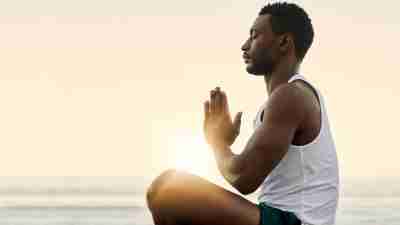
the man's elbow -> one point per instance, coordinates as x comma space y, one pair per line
244, 188
246, 191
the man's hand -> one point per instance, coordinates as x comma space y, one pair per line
219, 130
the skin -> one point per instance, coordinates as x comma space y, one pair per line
291, 116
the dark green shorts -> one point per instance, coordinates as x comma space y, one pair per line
274, 216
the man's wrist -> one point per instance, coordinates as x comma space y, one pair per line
220, 146
225, 161
222, 151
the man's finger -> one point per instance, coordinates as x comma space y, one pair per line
206, 110
225, 107
218, 101
212, 102
237, 122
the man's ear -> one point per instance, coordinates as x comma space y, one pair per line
285, 43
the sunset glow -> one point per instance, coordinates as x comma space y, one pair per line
191, 154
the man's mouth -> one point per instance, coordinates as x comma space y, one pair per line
246, 58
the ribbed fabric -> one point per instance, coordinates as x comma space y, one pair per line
306, 180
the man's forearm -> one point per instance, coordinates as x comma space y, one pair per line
227, 164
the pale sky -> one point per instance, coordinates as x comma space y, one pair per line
109, 88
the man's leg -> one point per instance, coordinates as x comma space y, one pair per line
178, 198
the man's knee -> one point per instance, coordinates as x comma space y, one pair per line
158, 186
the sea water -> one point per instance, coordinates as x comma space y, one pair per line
74, 216
351, 211
116, 206
42, 209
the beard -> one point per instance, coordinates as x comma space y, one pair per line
261, 64
260, 69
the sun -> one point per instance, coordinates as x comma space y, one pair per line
191, 153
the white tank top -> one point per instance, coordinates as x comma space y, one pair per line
306, 180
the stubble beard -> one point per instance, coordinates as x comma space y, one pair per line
260, 69
262, 64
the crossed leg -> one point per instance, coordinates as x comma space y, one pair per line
178, 198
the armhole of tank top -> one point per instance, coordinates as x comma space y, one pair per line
259, 115
321, 105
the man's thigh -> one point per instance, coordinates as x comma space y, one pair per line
189, 199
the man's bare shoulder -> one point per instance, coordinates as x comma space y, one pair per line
289, 101
297, 105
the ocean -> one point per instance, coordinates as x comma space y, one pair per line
75, 216
124, 204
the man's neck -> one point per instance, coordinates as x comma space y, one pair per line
279, 76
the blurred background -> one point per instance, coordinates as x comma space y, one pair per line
99, 97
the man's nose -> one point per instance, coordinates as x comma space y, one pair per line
246, 45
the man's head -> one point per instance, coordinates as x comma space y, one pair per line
279, 30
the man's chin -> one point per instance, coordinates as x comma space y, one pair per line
251, 70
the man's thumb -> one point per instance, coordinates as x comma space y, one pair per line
237, 121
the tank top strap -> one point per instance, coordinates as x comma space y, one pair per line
301, 77
296, 76
321, 104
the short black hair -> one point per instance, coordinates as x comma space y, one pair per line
290, 18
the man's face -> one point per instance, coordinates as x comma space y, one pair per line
260, 51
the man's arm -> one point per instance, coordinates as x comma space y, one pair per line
269, 143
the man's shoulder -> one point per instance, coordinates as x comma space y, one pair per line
292, 94
287, 102
309, 90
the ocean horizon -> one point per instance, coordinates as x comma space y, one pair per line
121, 201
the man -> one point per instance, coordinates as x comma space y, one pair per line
291, 155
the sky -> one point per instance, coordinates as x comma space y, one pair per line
116, 88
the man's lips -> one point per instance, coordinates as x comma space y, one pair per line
246, 58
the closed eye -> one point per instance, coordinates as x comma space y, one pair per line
252, 37
253, 34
